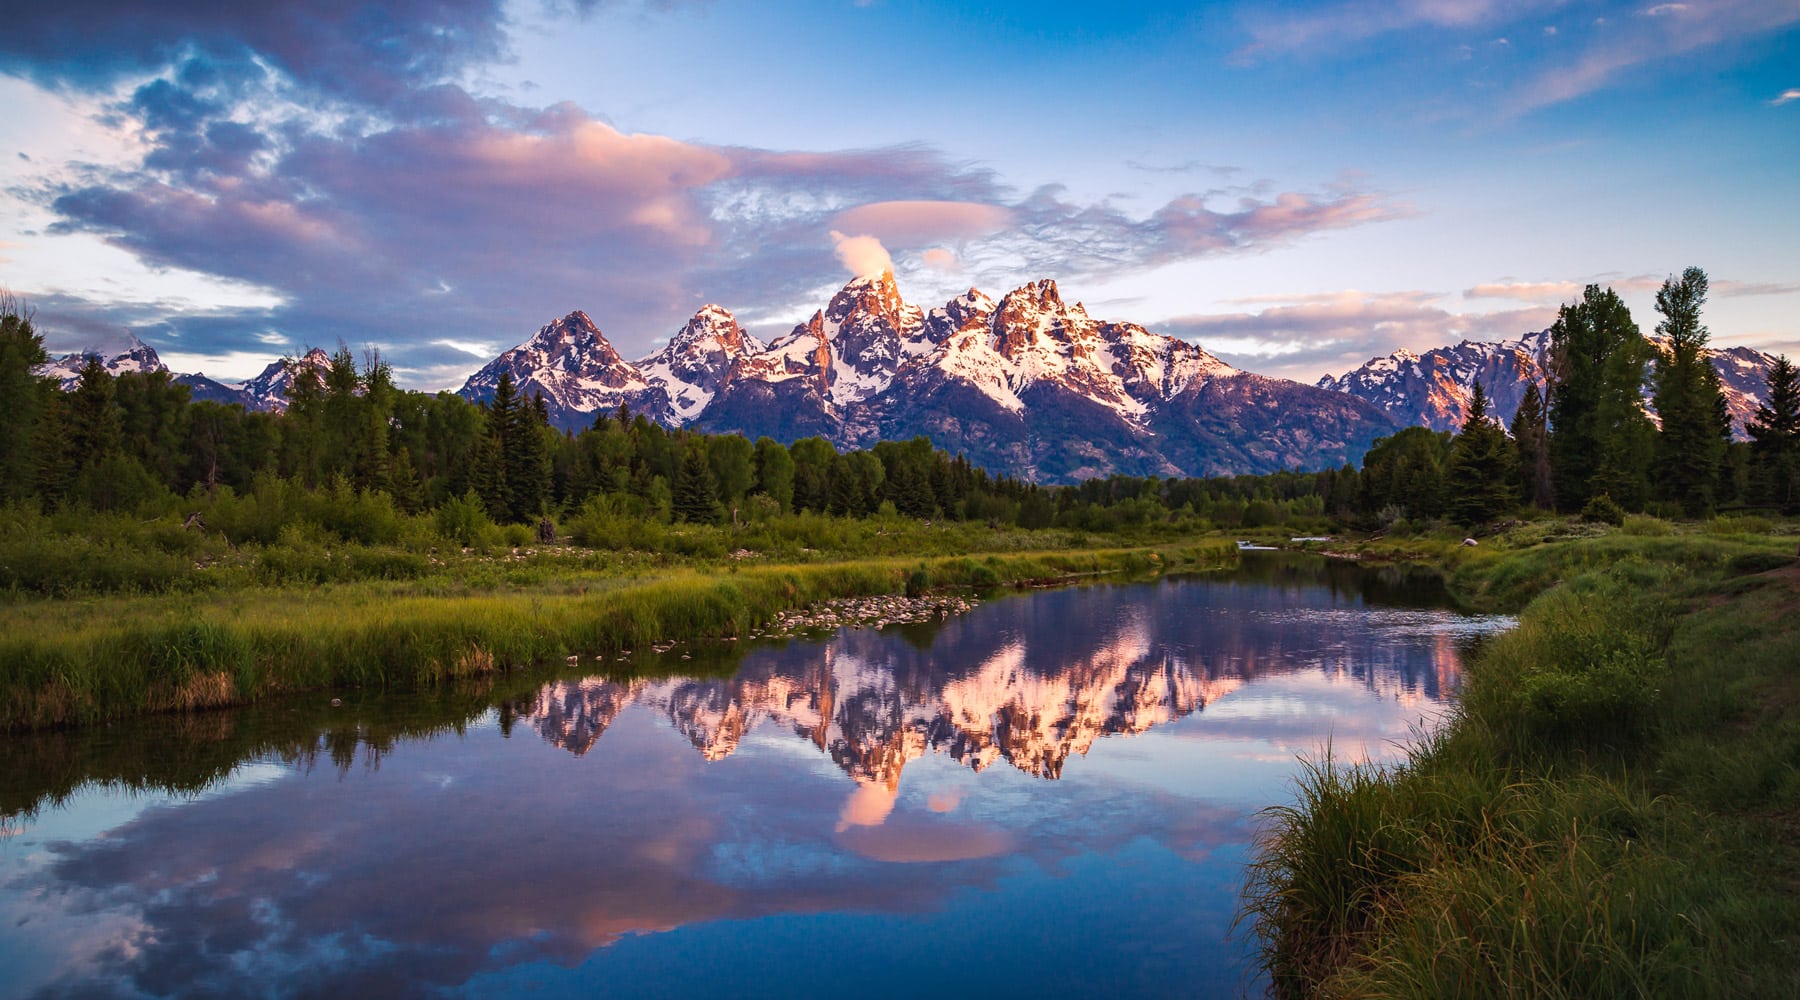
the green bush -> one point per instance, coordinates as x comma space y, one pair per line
1603, 509
464, 521
1645, 525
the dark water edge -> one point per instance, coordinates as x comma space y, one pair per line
1053, 793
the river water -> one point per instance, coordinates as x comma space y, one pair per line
1053, 795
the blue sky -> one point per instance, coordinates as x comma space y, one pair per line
1296, 188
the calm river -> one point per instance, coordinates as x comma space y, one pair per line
1051, 796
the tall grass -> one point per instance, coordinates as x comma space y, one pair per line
67, 663
1608, 813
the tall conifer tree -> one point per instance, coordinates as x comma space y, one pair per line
1531, 436
1689, 400
1479, 483
1600, 439
1775, 439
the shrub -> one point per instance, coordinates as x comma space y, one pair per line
1603, 509
464, 521
1643, 524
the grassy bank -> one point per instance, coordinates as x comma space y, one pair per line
72, 662
1612, 812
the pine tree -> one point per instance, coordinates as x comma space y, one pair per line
1775, 439
525, 455
1480, 482
93, 410
1531, 436
1689, 401
24, 397
1600, 439
696, 494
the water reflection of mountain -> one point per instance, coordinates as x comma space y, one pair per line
1030, 682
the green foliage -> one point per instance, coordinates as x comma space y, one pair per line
464, 521
1406, 471
1480, 482
1601, 818
696, 492
1531, 436
1775, 439
1602, 510
1645, 526
1696, 425
1600, 441
23, 399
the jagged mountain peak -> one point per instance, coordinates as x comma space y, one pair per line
712, 328
118, 354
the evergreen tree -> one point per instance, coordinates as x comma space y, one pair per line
1689, 400
696, 494
1600, 440
1531, 436
1775, 439
153, 415
303, 438
24, 397
93, 416
1480, 481
775, 472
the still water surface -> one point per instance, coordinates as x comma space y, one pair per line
1053, 795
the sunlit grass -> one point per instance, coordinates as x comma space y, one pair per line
80, 661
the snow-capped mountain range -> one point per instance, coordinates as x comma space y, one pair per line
1028, 385
1433, 388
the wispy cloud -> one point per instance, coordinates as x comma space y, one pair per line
1790, 94
1568, 291
1660, 32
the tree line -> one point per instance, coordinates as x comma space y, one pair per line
1584, 443
118, 442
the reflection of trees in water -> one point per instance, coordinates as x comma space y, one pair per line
1030, 680
189, 753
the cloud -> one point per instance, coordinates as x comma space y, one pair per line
862, 255
914, 223
1358, 21
1790, 94
1664, 31
372, 199
939, 259
1557, 292
1333, 332
1609, 47
366, 49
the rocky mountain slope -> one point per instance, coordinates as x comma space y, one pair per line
1028, 385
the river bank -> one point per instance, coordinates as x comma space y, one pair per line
1610, 813
91, 659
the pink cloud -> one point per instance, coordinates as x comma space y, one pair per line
913, 223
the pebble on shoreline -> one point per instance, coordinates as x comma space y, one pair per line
865, 612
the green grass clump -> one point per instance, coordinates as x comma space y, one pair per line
1608, 814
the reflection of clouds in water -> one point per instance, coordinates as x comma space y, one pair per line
465, 856
915, 839
868, 805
